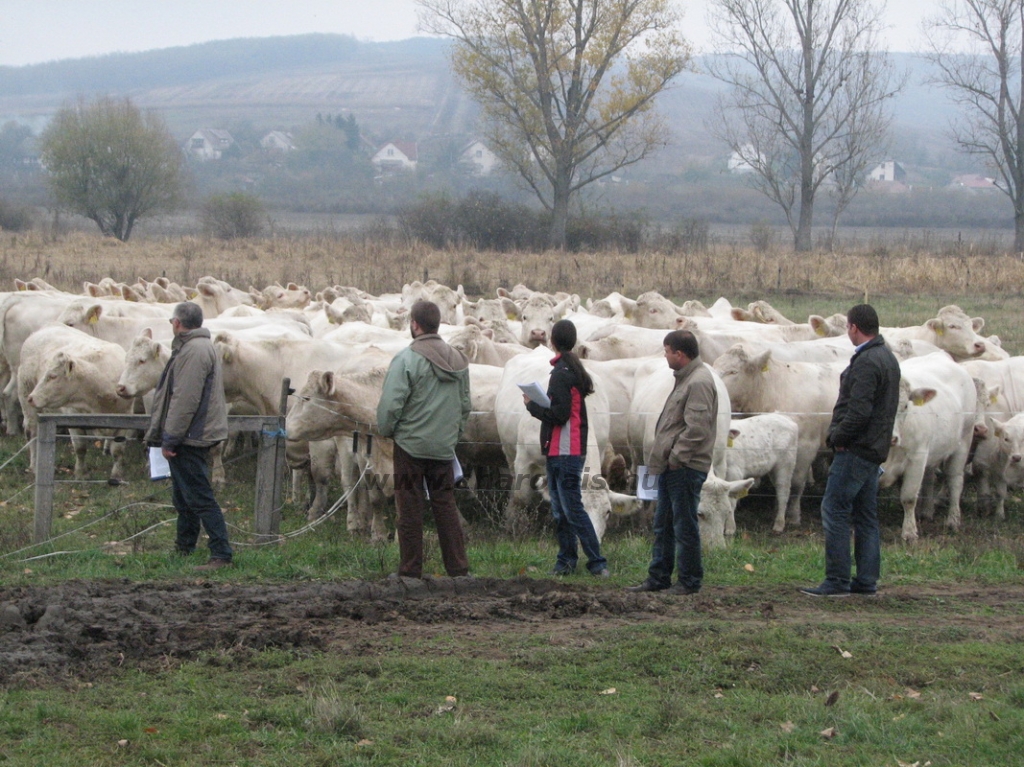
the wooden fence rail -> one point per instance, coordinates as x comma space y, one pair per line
270, 463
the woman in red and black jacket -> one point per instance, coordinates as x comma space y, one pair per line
563, 437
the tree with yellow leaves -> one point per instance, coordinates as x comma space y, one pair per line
567, 86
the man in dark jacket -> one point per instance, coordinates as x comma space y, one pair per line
860, 435
189, 417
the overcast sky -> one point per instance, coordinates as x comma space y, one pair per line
33, 31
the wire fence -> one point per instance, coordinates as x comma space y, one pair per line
493, 495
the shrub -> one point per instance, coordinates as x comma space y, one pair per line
430, 220
15, 218
232, 215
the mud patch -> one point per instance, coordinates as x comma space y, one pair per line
89, 629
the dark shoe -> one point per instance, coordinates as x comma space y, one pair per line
214, 564
603, 573
681, 590
648, 585
562, 572
863, 591
183, 552
824, 590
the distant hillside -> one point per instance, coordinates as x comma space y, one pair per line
395, 90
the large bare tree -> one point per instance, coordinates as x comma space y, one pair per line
808, 103
566, 86
976, 46
112, 163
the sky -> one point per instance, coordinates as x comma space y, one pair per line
34, 31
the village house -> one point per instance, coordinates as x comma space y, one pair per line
889, 171
395, 156
277, 141
479, 158
209, 144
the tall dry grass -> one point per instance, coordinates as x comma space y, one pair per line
383, 262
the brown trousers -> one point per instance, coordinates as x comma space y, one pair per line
410, 502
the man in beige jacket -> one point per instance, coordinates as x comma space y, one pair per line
681, 458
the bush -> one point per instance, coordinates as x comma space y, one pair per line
233, 215
488, 222
430, 220
15, 218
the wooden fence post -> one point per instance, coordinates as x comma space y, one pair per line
46, 459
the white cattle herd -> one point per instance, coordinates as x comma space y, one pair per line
102, 351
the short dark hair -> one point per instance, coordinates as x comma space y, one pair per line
189, 314
563, 335
427, 315
865, 318
683, 341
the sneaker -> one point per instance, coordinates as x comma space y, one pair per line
648, 585
680, 590
824, 590
214, 564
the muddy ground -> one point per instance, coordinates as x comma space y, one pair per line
87, 630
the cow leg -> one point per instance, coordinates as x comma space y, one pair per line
12, 412
955, 485
117, 449
926, 495
912, 478
782, 477
215, 459
80, 443
323, 458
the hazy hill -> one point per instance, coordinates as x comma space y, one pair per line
396, 90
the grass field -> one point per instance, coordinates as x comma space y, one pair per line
271, 663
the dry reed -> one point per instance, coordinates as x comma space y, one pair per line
384, 264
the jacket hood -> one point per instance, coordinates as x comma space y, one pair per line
179, 340
449, 364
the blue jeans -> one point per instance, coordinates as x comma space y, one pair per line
851, 496
571, 520
193, 499
676, 533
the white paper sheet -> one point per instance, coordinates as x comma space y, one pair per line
159, 468
646, 484
457, 474
536, 394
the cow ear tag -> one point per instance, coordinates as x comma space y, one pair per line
729, 443
919, 401
764, 369
743, 494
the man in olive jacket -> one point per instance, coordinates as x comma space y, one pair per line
189, 417
684, 440
424, 407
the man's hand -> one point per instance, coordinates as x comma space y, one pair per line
168, 453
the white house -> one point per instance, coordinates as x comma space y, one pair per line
477, 156
277, 141
395, 156
209, 144
890, 171
738, 164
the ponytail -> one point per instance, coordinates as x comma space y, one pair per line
586, 383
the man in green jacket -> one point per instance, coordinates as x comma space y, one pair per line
424, 407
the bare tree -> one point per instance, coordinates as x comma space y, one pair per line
111, 163
809, 97
567, 86
976, 46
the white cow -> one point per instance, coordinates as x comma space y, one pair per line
765, 446
935, 423
479, 346
804, 391
718, 499
953, 332
65, 370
